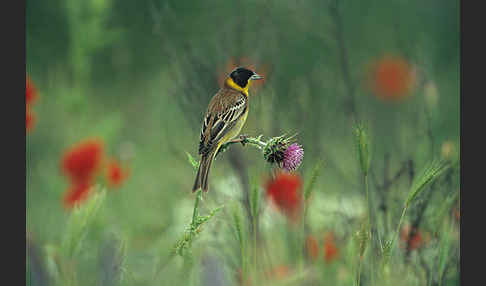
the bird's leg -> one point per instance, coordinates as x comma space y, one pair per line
241, 139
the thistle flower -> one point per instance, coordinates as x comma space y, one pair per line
284, 191
278, 151
292, 157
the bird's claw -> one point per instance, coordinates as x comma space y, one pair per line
243, 138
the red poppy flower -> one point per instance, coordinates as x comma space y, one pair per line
414, 242
30, 97
284, 191
76, 194
391, 78
82, 161
312, 247
30, 91
331, 252
115, 174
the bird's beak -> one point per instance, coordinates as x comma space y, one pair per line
256, 76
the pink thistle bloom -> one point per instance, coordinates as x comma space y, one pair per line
292, 157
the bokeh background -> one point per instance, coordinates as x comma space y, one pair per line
139, 75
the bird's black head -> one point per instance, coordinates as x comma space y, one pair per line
242, 76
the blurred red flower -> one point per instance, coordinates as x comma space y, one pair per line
30, 97
331, 251
76, 194
30, 91
312, 247
391, 78
82, 161
414, 242
115, 174
284, 191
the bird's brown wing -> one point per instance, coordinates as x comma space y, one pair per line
224, 110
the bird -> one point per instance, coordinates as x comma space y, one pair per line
225, 116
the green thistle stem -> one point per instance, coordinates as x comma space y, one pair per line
255, 142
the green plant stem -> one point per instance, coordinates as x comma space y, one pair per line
369, 229
195, 214
359, 272
196, 207
256, 142
368, 202
395, 235
399, 224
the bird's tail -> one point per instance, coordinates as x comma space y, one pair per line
203, 172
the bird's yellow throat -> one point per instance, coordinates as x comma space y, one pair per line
231, 83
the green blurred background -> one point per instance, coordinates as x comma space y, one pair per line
139, 74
